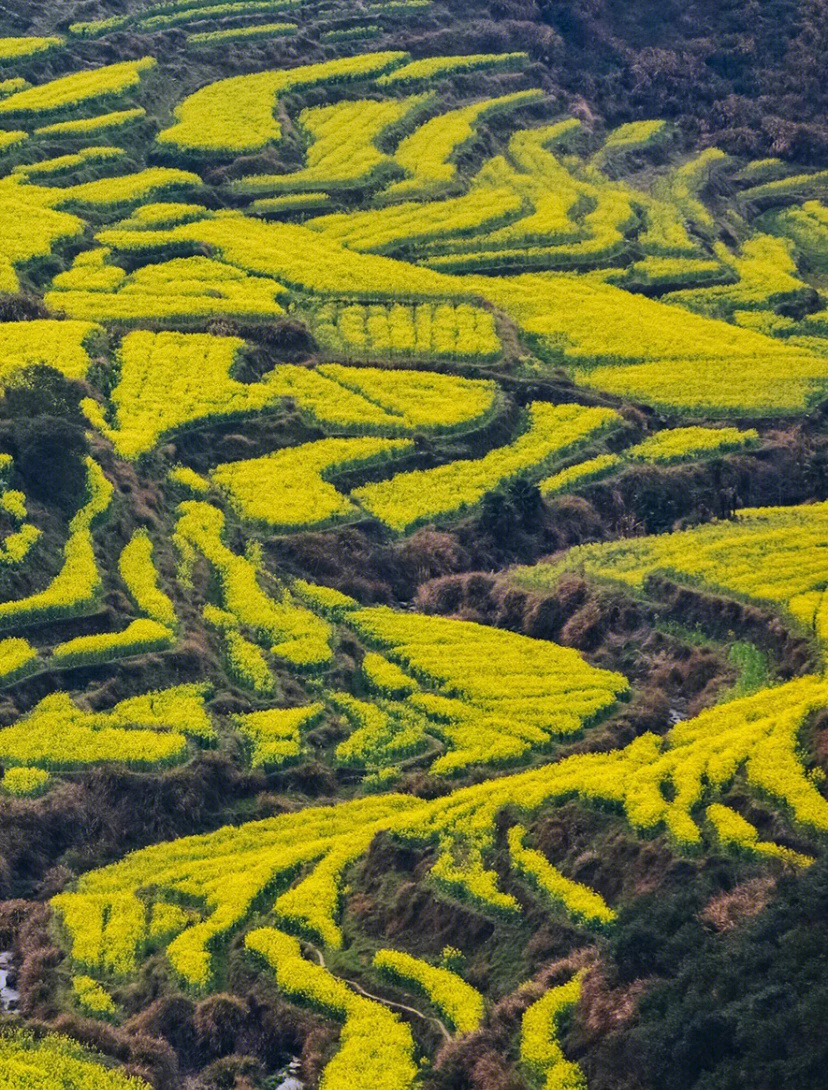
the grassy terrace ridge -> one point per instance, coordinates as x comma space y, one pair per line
413, 503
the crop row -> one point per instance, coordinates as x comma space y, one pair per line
406, 226
93, 126
286, 628
431, 68
15, 547
610, 338
13, 49
210, 39
774, 555
638, 347
498, 694
343, 151
427, 154
66, 164
579, 900
236, 115
169, 381
67, 92
183, 291
45, 1063
456, 1000
382, 732
109, 193
429, 331
657, 782
146, 731
76, 586
807, 227
167, 13
766, 278
375, 1047
275, 735
410, 499
540, 1048
153, 632
290, 489
670, 445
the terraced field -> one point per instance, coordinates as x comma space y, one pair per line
413, 559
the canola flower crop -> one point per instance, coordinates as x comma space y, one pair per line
458, 1001
431, 331
498, 694
570, 320
755, 737
633, 136
769, 554
437, 67
385, 676
540, 1049
297, 257
290, 631
426, 154
236, 115
593, 469
197, 13
376, 1047
66, 164
76, 586
140, 636
25, 782
382, 732
141, 578
676, 443
122, 190
343, 151
141, 732
91, 126
162, 15
410, 499
15, 547
245, 661
420, 400
211, 38
577, 899
326, 600
183, 291
403, 227
13, 49
289, 489
275, 735
17, 658
636, 347
169, 381
45, 1063
766, 277
67, 92
735, 832
28, 231
108, 924
685, 186
92, 997
552, 194
806, 227
795, 186
471, 695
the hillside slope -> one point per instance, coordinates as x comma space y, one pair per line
413, 506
